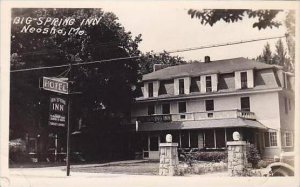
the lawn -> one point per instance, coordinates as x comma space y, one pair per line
144, 168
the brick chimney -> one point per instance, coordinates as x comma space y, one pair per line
206, 59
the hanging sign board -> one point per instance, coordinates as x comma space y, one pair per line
58, 85
58, 110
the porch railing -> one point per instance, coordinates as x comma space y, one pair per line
195, 116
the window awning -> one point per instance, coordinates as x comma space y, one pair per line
201, 124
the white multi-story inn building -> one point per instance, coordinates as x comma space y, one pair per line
202, 104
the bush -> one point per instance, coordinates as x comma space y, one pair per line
253, 156
213, 156
190, 156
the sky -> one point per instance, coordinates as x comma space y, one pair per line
168, 27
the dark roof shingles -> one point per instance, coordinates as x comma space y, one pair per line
201, 68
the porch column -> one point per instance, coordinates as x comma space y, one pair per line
189, 138
215, 139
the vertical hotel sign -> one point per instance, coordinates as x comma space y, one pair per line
57, 113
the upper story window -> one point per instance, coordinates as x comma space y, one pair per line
245, 104
288, 139
166, 108
151, 109
209, 106
181, 107
244, 80
208, 84
181, 86
150, 89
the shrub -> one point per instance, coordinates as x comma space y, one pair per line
253, 155
213, 156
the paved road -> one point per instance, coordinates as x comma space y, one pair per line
56, 177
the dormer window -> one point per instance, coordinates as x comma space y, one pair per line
208, 84
181, 86
244, 80
150, 89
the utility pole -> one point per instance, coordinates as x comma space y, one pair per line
69, 96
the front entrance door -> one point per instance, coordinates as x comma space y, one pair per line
153, 147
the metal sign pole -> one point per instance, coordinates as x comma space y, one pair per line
68, 126
68, 136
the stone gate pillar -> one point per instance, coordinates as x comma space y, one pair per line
168, 157
237, 156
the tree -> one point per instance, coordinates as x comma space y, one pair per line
106, 87
266, 56
290, 39
279, 57
148, 60
265, 19
280, 54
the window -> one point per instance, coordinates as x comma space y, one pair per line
270, 139
208, 83
151, 109
267, 141
154, 143
286, 105
273, 138
290, 106
194, 139
166, 108
288, 139
181, 86
182, 109
244, 80
209, 139
220, 138
185, 139
195, 84
245, 104
209, 105
150, 89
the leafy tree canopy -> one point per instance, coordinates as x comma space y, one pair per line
106, 87
208, 16
265, 19
148, 60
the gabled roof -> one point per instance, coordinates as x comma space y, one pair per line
201, 68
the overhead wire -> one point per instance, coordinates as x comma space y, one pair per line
133, 57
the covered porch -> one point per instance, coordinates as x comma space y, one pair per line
201, 135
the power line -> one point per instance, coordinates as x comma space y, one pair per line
76, 64
133, 57
223, 44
